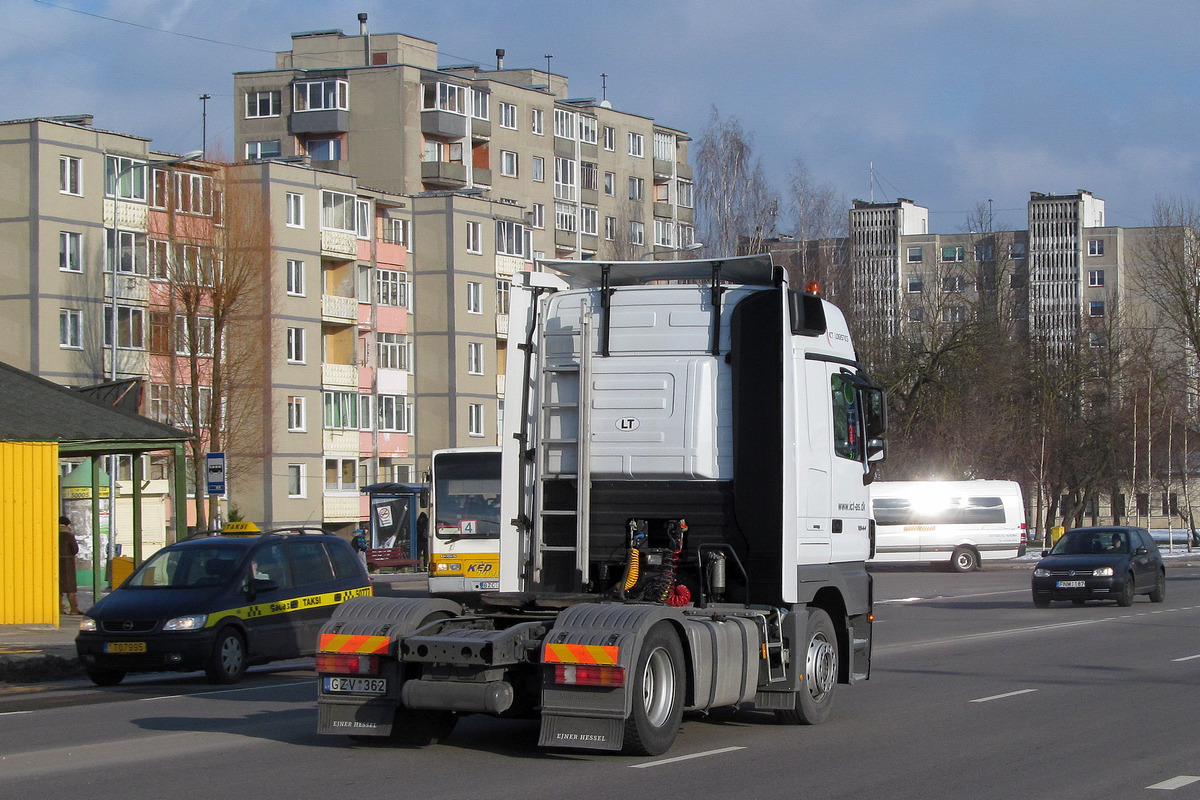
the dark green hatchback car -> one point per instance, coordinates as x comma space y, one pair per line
221, 603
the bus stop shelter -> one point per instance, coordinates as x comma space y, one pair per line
396, 537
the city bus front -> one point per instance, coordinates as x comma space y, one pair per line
464, 546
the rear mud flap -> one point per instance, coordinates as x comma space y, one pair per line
588, 733
371, 717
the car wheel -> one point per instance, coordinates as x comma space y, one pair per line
815, 698
105, 677
1125, 599
965, 559
1159, 593
227, 664
658, 686
1041, 601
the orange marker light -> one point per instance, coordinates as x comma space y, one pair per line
813, 288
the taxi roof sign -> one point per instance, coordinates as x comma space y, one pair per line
240, 528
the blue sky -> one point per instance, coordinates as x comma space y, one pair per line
954, 103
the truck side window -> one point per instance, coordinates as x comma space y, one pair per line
845, 419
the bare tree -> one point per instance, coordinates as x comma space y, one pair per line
737, 207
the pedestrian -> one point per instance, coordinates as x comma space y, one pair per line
68, 548
359, 542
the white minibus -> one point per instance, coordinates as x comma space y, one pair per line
955, 522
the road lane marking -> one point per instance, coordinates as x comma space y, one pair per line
1002, 696
705, 754
221, 691
1186, 658
1175, 783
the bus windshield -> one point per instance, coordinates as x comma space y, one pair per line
466, 495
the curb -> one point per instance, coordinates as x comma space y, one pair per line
39, 668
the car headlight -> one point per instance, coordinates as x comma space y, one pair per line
87, 624
1102, 572
192, 622
1041, 573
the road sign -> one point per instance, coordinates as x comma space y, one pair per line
216, 473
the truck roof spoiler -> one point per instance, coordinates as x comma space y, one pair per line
747, 270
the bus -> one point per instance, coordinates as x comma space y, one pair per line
464, 520
958, 523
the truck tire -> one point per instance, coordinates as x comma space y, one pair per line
658, 686
815, 698
227, 664
964, 559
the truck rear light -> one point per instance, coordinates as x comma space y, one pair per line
347, 664
589, 675
1024, 534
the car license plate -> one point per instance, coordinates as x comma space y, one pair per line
357, 685
124, 647
1071, 584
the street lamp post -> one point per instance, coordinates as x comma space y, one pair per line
690, 248
113, 258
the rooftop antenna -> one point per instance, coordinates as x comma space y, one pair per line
872, 181
548, 57
603, 86
204, 98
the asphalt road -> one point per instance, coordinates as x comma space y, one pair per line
974, 694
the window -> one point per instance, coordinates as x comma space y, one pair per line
393, 350
130, 328
635, 145
1016, 250
193, 193
915, 256
1095, 277
295, 345
196, 333
685, 191
1097, 340
325, 95
444, 97
847, 434
295, 277
474, 358
295, 479
160, 333
662, 192
664, 146
295, 210
1095, 247
664, 233
1096, 308
508, 163
916, 314
564, 178
685, 235
395, 231
610, 228
537, 121
955, 313
474, 297
124, 178
539, 169
538, 216
481, 105
503, 288
610, 138
389, 289
587, 129
508, 116
916, 284
510, 238
341, 411
70, 329
362, 218
588, 220
296, 419
324, 149
984, 252
636, 188
589, 176
341, 475
268, 148
637, 233
158, 402
337, 211
475, 419
952, 254
364, 413
394, 413
610, 183
564, 123
70, 175
953, 283
474, 237
70, 248
262, 104
196, 266
158, 252
128, 251
565, 217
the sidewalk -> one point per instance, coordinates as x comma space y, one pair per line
35, 653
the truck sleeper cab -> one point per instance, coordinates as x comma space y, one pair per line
686, 518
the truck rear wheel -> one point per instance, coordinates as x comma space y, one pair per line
658, 685
815, 698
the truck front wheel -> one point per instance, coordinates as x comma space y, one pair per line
658, 685
815, 698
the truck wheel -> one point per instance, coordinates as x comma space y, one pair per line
227, 664
105, 677
965, 559
815, 698
658, 685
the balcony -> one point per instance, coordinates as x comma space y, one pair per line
129, 363
341, 508
329, 121
500, 386
663, 169
126, 216
339, 376
339, 310
481, 176
502, 326
683, 171
339, 244
444, 173
664, 210
507, 266
129, 287
481, 128
443, 124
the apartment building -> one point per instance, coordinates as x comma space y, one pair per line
120, 262
502, 168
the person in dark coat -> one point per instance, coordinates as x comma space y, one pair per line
68, 548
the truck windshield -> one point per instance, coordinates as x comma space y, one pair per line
466, 495
187, 568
